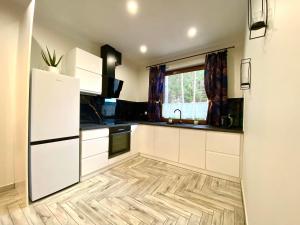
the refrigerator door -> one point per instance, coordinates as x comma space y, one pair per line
53, 166
55, 102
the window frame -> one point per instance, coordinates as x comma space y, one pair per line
178, 71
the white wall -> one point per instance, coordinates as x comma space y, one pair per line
22, 101
9, 23
44, 36
272, 107
128, 72
15, 35
233, 61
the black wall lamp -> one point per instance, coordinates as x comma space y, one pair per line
245, 78
258, 22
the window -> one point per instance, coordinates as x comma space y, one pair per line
184, 90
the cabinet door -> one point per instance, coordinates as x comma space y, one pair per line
222, 163
145, 139
88, 61
94, 163
166, 143
227, 143
89, 82
94, 147
192, 148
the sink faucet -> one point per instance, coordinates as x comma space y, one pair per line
180, 120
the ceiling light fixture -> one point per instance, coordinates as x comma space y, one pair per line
143, 49
132, 7
192, 32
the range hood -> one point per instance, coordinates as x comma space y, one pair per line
111, 87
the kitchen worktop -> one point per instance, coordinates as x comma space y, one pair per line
92, 126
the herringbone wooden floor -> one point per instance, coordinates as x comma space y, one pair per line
139, 191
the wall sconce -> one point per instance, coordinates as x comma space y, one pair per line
259, 21
245, 74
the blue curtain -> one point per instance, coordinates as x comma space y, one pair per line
156, 88
215, 80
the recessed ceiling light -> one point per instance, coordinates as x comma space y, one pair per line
132, 7
143, 49
192, 32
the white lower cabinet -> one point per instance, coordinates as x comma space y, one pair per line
94, 150
94, 146
166, 143
217, 152
192, 148
223, 163
144, 139
94, 163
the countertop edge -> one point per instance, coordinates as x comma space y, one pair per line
191, 127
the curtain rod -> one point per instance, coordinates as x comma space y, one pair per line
192, 56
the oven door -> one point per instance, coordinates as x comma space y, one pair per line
119, 141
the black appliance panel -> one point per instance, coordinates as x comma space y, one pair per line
111, 87
119, 140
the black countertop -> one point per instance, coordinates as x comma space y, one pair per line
93, 126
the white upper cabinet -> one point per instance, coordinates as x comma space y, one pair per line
166, 143
87, 61
192, 148
87, 67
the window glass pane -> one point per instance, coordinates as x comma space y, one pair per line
185, 91
188, 87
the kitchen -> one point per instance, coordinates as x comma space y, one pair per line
125, 128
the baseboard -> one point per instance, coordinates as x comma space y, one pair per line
206, 172
7, 187
111, 165
244, 202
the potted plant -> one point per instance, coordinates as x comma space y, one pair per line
51, 60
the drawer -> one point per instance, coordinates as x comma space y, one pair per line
89, 82
222, 163
94, 163
227, 143
94, 134
88, 61
94, 146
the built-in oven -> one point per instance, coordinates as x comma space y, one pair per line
119, 140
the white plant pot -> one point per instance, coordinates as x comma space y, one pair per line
53, 69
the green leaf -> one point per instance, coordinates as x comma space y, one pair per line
58, 61
45, 58
54, 57
50, 58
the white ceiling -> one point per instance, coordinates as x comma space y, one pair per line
160, 24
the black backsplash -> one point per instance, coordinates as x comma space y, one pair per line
133, 111
91, 106
235, 109
136, 111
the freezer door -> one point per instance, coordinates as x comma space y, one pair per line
52, 167
55, 102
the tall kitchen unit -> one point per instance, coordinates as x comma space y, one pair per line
54, 133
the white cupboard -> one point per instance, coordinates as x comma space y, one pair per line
166, 143
222, 163
223, 153
227, 143
87, 67
144, 139
192, 148
216, 152
94, 150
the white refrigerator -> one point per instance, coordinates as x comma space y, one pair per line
54, 133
